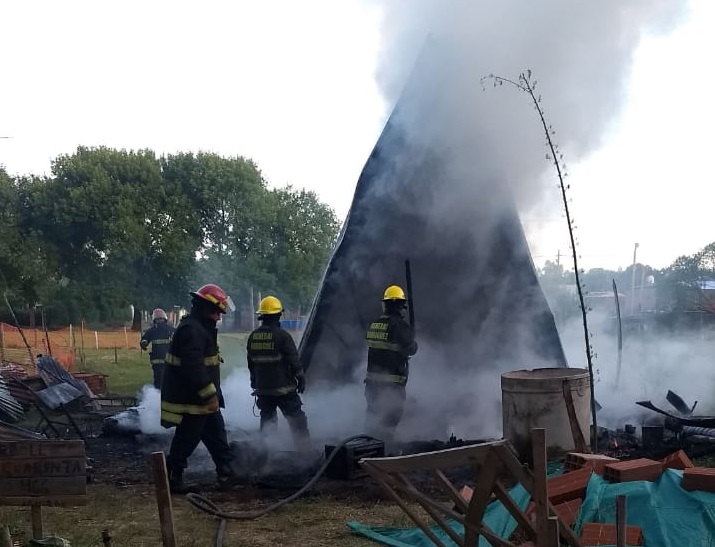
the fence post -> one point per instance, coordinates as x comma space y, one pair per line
126, 338
115, 354
96, 340
81, 338
2, 341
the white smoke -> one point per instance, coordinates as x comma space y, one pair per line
579, 51
652, 363
468, 153
330, 414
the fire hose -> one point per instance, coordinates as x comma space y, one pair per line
209, 507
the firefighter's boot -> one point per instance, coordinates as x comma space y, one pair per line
176, 481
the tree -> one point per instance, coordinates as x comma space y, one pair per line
23, 263
119, 233
304, 232
684, 279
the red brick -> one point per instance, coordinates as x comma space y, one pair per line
698, 478
568, 511
594, 533
642, 469
596, 462
677, 460
569, 486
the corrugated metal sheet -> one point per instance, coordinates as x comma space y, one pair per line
54, 373
9, 432
10, 409
59, 394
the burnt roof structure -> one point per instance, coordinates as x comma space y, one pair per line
421, 196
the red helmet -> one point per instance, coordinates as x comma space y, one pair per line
217, 297
158, 314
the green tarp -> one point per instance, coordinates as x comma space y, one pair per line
668, 515
496, 517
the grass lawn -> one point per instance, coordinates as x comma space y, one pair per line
131, 515
129, 369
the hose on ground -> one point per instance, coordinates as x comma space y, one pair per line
209, 507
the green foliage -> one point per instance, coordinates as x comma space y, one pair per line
110, 228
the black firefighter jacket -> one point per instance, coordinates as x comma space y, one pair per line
390, 342
192, 374
159, 336
272, 361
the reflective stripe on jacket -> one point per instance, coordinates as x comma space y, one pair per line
272, 360
192, 376
390, 342
159, 336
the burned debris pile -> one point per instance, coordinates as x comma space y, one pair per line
60, 404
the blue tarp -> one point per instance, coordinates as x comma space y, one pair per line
668, 515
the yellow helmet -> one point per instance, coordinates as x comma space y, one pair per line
393, 292
270, 305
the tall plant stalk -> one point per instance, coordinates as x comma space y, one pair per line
527, 85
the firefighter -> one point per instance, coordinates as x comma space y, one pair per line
191, 396
158, 335
390, 342
277, 378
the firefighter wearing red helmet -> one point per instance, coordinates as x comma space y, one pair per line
191, 396
159, 336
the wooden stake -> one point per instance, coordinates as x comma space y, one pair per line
576, 432
621, 519
37, 527
81, 340
2, 343
163, 499
96, 340
552, 525
115, 355
5, 537
19, 328
538, 447
126, 338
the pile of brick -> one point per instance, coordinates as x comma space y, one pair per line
567, 491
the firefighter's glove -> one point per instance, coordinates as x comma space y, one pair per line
213, 404
300, 381
144, 345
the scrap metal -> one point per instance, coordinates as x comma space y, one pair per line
10, 409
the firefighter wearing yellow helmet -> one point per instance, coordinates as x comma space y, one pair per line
391, 342
277, 377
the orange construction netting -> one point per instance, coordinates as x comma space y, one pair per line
64, 343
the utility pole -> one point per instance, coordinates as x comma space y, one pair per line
633, 281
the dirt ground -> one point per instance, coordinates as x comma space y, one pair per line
122, 499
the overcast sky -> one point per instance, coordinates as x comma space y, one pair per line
292, 85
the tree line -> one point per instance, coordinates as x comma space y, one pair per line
677, 283
109, 229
